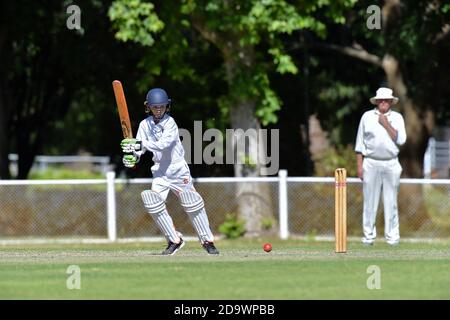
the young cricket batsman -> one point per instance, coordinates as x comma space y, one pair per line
158, 133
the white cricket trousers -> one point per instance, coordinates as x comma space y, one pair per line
381, 176
177, 178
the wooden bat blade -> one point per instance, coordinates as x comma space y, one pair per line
123, 109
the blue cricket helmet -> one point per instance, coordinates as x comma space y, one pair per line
157, 97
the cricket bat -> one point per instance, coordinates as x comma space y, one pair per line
123, 109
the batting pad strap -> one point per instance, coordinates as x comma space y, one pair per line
191, 201
153, 202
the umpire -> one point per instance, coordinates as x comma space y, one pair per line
381, 132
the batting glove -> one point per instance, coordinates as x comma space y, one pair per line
130, 160
130, 145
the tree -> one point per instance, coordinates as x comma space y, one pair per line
409, 54
411, 48
249, 36
46, 70
30, 96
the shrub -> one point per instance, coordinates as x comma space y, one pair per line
63, 173
267, 223
233, 227
336, 157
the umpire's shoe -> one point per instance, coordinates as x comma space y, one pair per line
172, 247
210, 248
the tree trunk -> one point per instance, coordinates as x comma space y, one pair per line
254, 199
4, 145
411, 155
411, 202
318, 144
26, 152
4, 123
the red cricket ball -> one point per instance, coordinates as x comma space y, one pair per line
267, 247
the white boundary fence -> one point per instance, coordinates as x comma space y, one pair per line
42, 162
283, 202
436, 160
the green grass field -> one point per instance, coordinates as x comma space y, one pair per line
294, 270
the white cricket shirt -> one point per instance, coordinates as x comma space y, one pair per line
162, 139
373, 140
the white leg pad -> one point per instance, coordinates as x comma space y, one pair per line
194, 206
191, 201
153, 202
157, 208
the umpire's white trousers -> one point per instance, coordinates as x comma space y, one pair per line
381, 176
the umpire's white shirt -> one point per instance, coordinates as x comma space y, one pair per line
373, 140
163, 140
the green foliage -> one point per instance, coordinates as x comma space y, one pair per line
311, 235
445, 8
249, 161
283, 61
233, 227
341, 105
63, 173
269, 103
135, 20
236, 29
336, 157
267, 223
339, 91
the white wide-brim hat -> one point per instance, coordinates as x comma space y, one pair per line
384, 93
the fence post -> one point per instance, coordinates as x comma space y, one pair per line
283, 204
428, 159
111, 206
